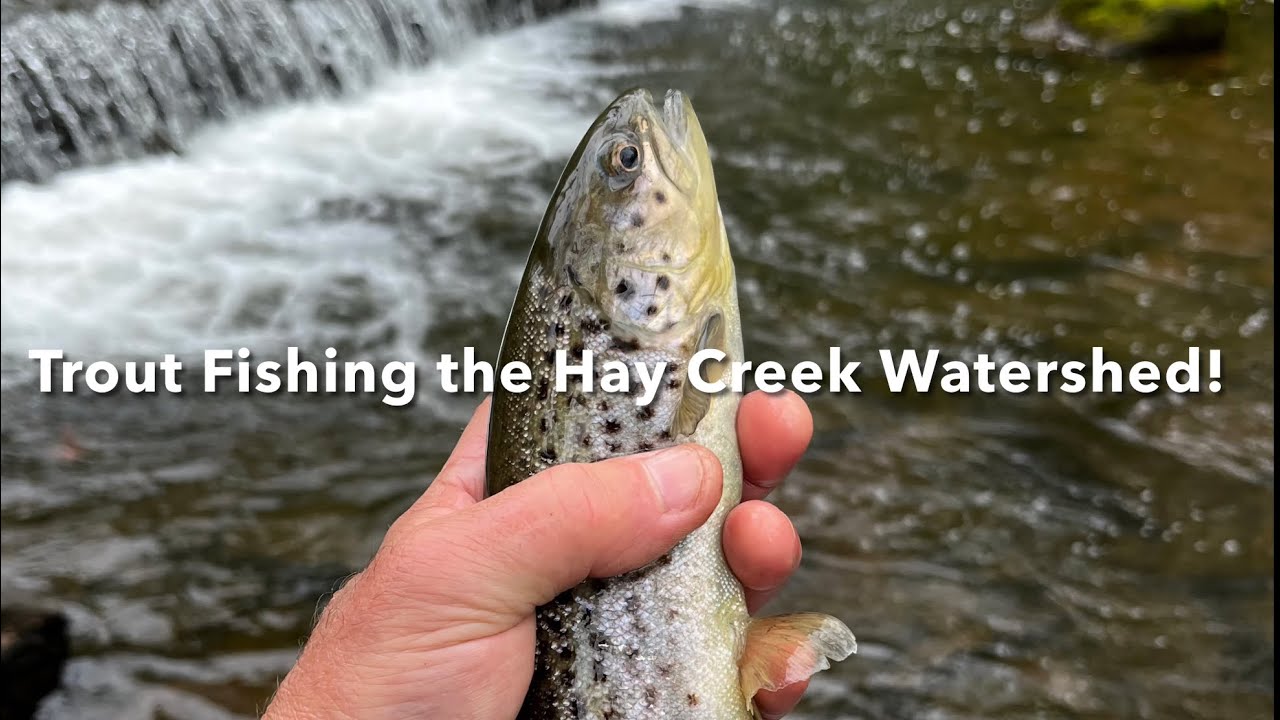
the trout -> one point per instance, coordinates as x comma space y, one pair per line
632, 264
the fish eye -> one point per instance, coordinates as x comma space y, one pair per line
629, 157
625, 158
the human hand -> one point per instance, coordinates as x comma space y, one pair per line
440, 624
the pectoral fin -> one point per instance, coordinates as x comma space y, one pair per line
693, 402
786, 649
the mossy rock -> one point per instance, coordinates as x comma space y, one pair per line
1120, 27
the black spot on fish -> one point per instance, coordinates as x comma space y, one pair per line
651, 310
663, 282
548, 454
644, 446
693, 700
637, 220
613, 446
591, 326
651, 695
666, 257
664, 670
544, 389
621, 287
566, 301
586, 441
645, 413
622, 247
664, 435
575, 351
544, 425
612, 426
672, 613
660, 197
573, 275
549, 356
664, 559
633, 603
559, 329
624, 345
673, 383
603, 406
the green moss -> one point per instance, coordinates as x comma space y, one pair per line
1148, 25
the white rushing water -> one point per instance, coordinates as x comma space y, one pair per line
166, 253
226, 246
95, 84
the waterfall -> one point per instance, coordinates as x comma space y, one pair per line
121, 79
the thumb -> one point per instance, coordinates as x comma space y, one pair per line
570, 522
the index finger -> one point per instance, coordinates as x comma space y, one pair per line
461, 480
774, 430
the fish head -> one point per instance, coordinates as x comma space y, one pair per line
636, 223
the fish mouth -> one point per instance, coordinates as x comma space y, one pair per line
675, 115
679, 162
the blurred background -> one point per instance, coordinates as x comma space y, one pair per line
977, 176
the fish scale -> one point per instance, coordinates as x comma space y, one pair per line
631, 264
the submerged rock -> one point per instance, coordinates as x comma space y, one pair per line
33, 649
1128, 27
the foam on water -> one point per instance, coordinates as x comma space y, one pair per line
173, 254
226, 245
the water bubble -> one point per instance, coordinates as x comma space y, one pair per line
1063, 194
964, 74
1231, 548
1217, 89
1255, 323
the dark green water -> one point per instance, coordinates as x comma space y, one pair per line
894, 174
